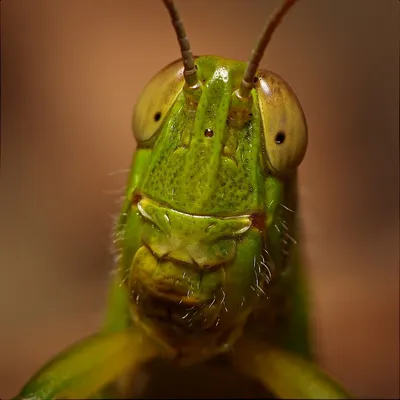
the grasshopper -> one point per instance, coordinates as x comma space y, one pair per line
209, 270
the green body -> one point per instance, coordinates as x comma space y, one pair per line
209, 270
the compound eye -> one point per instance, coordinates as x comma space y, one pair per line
156, 100
284, 124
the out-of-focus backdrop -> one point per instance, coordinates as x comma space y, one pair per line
71, 72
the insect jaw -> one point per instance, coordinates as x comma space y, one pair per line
183, 312
178, 316
176, 289
199, 304
191, 334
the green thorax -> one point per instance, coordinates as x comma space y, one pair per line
218, 172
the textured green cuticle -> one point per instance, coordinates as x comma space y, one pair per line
206, 175
200, 240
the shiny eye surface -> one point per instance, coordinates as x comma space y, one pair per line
284, 124
156, 100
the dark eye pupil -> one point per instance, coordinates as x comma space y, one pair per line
280, 137
208, 132
157, 116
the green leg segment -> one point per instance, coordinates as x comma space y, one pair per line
89, 365
118, 318
286, 374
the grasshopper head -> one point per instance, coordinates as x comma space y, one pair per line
204, 233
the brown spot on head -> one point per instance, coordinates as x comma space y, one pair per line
136, 198
258, 221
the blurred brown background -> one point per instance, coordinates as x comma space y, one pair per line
71, 72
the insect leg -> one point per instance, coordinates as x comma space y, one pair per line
89, 365
286, 374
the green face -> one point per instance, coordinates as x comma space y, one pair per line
201, 233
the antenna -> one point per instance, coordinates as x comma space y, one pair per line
190, 69
257, 54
